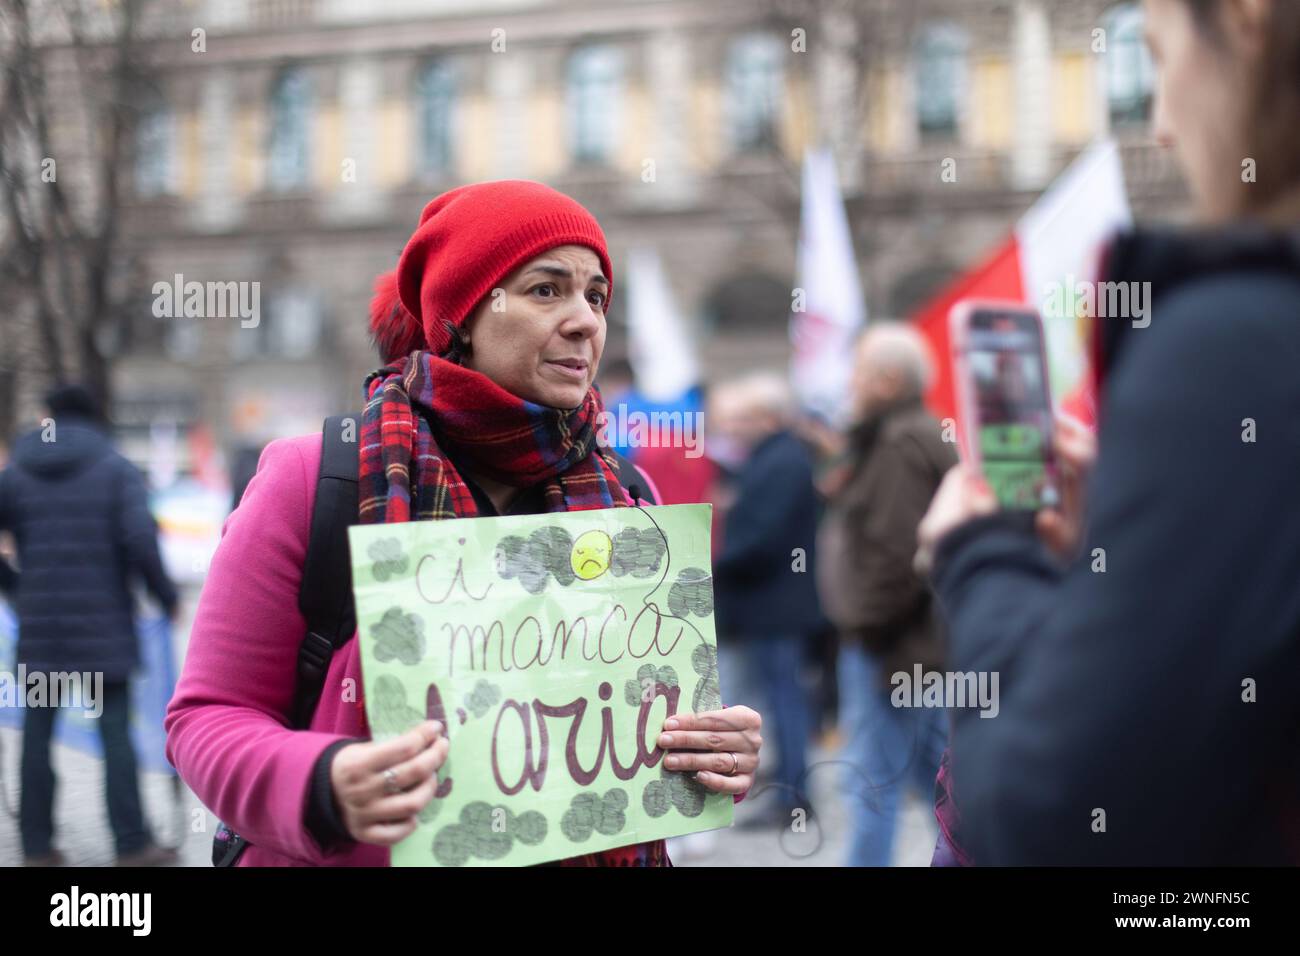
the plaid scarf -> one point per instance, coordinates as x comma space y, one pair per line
420, 406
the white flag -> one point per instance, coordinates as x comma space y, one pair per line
659, 347
1061, 239
827, 308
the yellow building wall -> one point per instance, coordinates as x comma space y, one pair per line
706, 125
546, 155
993, 104
474, 148
327, 148
250, 150
633, 127
1073, 98
887, 115
189, 156
794, 123
395, 151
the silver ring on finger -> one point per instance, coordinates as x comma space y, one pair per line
735, 765
391, 786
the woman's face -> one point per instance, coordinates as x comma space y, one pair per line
1202, 97
540, 335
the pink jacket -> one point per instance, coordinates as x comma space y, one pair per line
228, 732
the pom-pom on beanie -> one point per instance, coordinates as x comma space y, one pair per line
393, 329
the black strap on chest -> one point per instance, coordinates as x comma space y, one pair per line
325, 596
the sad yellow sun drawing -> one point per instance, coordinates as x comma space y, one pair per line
590, 555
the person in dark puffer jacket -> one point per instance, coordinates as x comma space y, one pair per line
764, 574
79, 515
1148, 713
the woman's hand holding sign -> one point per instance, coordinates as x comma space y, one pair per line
721, 746
380, 787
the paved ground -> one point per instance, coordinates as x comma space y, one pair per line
84, 836
821, 841
81, 818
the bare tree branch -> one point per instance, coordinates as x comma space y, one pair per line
61, 235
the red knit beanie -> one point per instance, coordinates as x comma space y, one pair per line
468, 240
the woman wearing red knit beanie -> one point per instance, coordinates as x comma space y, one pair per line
491, 330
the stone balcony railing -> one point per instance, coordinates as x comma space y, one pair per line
146, 218
984, 176
984, 180
274, 14
279, 212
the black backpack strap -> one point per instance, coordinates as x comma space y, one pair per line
325, 597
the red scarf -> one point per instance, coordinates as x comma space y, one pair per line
420, 406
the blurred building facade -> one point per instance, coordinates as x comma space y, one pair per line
293, 143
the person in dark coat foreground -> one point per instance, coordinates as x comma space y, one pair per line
1148, 712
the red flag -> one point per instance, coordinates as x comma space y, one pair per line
998, 277
1054, 246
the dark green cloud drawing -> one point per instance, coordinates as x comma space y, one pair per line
707, 695
691, 593
543, 554
389, 712
637, 552
482, 698
399, 636
476, 837
590, 811
389, 561
673, 789
634, 691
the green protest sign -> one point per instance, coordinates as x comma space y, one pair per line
552, 647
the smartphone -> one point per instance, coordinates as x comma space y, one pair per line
1004, 401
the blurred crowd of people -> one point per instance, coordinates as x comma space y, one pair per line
818, 602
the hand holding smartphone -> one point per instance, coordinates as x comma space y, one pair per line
1004, 401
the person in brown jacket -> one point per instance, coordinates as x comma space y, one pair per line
895, 457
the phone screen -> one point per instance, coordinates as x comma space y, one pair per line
1013, 408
